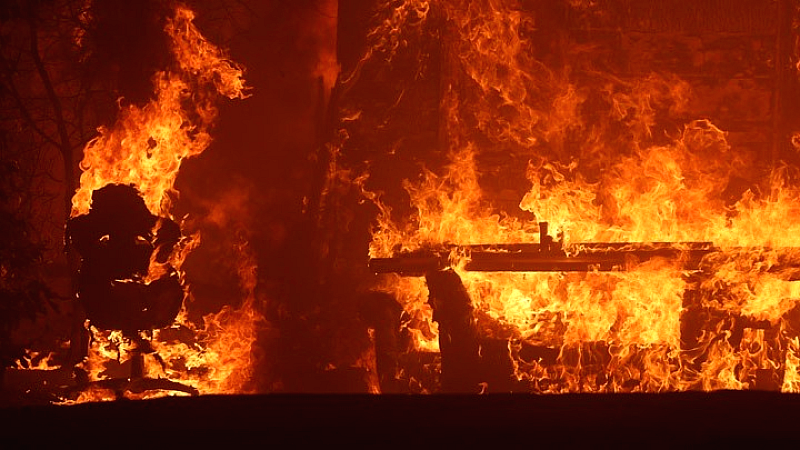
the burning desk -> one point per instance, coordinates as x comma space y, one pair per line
752, 344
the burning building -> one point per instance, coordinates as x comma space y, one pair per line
494, 196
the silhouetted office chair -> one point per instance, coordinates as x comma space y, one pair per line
117, 241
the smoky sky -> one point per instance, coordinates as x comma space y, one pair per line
262, 144
266, 139
250, 184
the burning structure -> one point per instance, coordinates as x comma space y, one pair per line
612, 182
500, 196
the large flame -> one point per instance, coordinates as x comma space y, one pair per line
145, 148
600, 170
147, 144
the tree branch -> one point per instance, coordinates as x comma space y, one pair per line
65, 146
26, 114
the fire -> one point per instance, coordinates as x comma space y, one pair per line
145, 148
220, 361
147, 144
602, 169
36, 361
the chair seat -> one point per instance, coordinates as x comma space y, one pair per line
133, 305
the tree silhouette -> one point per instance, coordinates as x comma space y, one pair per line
65, 65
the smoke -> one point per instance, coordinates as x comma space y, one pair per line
251, 185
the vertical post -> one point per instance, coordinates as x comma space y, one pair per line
545, 240
692, 318
137, 360
381, 312
783, 50
458, 338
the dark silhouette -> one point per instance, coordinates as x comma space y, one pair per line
117, 240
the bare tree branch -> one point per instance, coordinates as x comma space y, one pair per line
65, 146
23, 109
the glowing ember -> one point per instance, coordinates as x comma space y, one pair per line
36, 361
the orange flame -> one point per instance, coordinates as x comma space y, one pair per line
147, 144
620, 183
145, 147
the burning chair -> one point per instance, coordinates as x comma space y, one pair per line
126, 282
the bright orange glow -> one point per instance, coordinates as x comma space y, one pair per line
620, 183
145, 147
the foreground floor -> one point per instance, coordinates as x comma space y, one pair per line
631, 420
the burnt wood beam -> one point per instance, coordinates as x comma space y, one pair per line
579, 258
545, 257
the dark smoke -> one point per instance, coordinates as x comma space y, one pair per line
250, 185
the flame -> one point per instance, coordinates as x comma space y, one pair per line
601, 169
221, 360
147, 144
33, 360
145, 148
214, 358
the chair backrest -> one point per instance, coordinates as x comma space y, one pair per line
117, 240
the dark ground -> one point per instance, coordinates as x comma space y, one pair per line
680, 420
